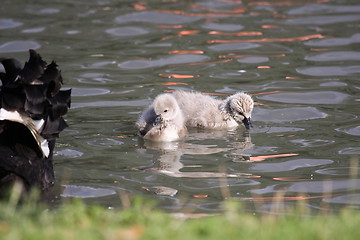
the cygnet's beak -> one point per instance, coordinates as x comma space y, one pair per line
247, 123
158, 119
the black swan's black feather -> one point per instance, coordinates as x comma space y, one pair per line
32, 107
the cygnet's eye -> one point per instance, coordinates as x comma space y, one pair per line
165, 110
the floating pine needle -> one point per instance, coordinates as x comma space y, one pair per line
186, 52
262, 158
290, 198
200, 196
169, 75
170, 26
188, 32
264, 93
293, 39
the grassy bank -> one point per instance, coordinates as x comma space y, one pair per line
78, 221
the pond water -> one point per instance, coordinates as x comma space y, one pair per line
300, 60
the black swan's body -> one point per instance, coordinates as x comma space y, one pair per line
31, 110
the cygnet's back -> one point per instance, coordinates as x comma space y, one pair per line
207, 112
162, 121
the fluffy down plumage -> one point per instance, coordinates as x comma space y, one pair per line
207, 112
162, 121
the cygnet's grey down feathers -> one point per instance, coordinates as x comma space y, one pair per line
207, 112
162, 121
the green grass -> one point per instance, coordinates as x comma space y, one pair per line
76, 220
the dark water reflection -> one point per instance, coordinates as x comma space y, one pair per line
300, 61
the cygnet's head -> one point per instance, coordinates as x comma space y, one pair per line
240, 107
166, 107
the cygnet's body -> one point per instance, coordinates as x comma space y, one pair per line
207, 112
162, 121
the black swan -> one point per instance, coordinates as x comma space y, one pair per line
31, 110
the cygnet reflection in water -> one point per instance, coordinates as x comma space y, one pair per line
168, 154
207, 112
162, 121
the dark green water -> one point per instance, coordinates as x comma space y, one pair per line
299, 59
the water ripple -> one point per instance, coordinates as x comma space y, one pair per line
104, 142
85, 192
339, 171
355, 131
334, 56
222, 26
134, 103
311, 9
329, 70
253, 60
9, 23
233, 46
350, 151
318, 187
353, 199
34, 30
176, 59
323, 20
274, 129
287, 114
127, 31
288, 165
237, 74
48, 11
95, 77
155, 18
333, 42
69, 153
320, 97
18, 46
215, 183
312, 142
88, 91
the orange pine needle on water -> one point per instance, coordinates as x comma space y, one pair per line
293, 39
239, 34
173, 83
270, 26
261, 104
170, 26
186, 52
292, 198
262, 158
170, 75
200, 196
188, 32
139, 7
263, 93
289, 77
